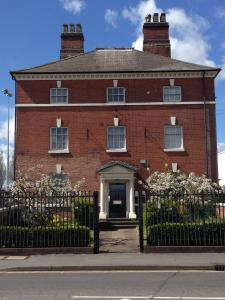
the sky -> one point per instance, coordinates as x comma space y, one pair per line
30, 35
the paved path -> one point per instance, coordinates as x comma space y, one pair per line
119, 240
115, 261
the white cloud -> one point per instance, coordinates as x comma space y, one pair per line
111, 17
220, 12
73, 6
4, 130
185, 31
221, 75
221, 147
221, 164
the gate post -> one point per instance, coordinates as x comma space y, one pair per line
140, 213
96, 223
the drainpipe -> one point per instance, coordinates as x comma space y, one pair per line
205, 125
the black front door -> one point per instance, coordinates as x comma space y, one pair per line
117, 203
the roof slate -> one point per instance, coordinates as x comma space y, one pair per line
115, 60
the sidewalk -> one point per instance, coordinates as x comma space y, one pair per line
111, 261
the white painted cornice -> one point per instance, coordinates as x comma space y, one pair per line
94, 76
117, 104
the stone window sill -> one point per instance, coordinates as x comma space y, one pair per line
175, 150
58, 151
116, 150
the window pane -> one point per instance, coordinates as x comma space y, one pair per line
64, 92
116, 137
59, 138
115, 94
171, 93
110, 98
53, 92
59, 95
173, 137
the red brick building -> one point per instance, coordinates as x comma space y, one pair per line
111, 115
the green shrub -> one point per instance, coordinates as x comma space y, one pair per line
84, 212
37, 237
169, 211
186, 234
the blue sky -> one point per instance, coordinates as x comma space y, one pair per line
30, 35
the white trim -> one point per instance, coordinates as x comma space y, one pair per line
113, 175
116, 150
58, 151
94, 76
172, 81
113, 104
174, 150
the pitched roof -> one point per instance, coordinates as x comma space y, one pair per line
115, 60
116, 163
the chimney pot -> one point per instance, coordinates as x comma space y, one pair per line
156, 18
148, 18
65, 28
78, 28
72, 28
163, 18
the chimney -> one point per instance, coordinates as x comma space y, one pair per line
156, 35
72, 41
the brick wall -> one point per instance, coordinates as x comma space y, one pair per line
94, 91
88, 139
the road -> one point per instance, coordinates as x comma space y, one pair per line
112, 285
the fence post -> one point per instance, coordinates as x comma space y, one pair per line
140, 213
96, 223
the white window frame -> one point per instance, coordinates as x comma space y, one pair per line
57, 96
182, 139
172, 87
115, 102
124, 149
66, 150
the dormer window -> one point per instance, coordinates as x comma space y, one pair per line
58, 95
115, 94
172, 93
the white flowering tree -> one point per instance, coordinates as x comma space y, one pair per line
176, 182
43, 184
30, 196
180, 197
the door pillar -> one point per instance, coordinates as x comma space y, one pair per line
132, 214
102, 214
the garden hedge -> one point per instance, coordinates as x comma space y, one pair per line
186, 234
37, 237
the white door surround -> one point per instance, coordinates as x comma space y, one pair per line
116, 172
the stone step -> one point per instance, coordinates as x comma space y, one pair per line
118, 223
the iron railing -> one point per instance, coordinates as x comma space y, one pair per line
29, 220
182, 219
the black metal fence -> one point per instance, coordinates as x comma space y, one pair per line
182, 219
29, 220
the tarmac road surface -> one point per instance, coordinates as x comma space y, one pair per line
164, 285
